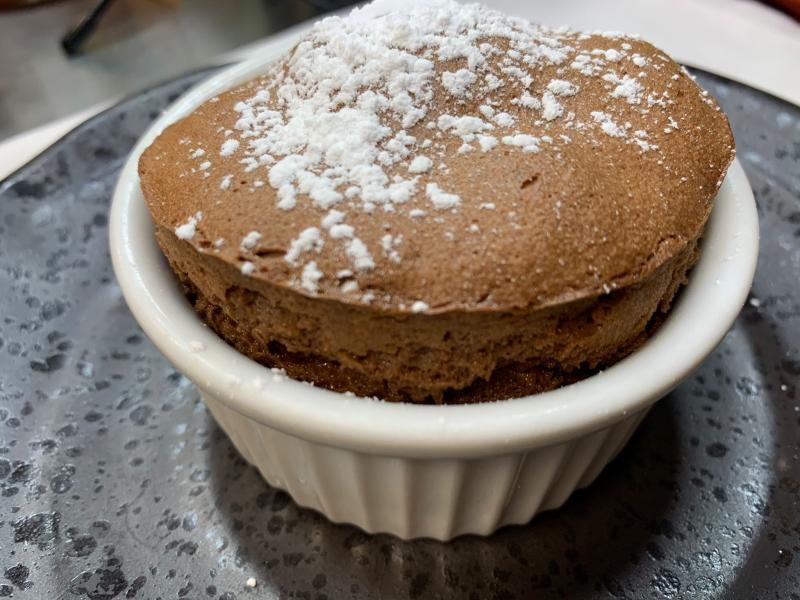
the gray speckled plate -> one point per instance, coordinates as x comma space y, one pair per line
116, 483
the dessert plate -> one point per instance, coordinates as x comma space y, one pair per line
117, 483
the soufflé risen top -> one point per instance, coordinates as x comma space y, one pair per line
441, 204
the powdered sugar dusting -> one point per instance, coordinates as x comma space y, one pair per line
360, 256
559, 87
250, 240
607, 124
229, 146
310, 277
627, 87
440, 199
458, 82
487, 142
551, 109
420, 164
308, 240
528, 143
188, 230
333, 217
419, 307
365, 118
503, 119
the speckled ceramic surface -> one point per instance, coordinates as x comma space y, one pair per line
116, 483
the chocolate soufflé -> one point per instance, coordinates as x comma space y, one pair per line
441, 204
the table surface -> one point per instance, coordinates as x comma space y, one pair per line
136, 44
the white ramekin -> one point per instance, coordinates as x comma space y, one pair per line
427, 471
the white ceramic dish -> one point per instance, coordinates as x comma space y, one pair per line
427, 471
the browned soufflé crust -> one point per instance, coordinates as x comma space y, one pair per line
441, 205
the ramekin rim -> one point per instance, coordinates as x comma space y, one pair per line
723, 274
